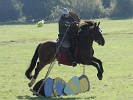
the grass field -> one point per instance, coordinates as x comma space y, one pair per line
18, 43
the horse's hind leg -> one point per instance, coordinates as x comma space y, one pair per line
99, 62
39, 67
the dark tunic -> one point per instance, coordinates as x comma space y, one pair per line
68, 32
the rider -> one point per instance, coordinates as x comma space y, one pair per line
66, 25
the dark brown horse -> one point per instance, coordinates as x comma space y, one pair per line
89, 32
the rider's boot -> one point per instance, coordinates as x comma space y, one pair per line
69, 53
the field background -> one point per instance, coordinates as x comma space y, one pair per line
18, 43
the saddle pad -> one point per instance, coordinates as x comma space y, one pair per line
63, 58
48, 87
73, 86
58, 86
84, 83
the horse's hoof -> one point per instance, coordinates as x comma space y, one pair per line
29, 84
28, 76
99, 76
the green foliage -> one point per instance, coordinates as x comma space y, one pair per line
123, 8
33, 9
85, 8
50, 9
9, 11
107, 8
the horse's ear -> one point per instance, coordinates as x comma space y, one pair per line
98, 24
95, 24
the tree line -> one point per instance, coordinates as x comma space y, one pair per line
27, 10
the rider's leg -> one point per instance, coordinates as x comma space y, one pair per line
70, 56
67, 46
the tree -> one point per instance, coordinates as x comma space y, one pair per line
85, 8
50, 9
33, 9
9, 10
124, 9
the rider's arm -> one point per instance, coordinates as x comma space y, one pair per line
67, 22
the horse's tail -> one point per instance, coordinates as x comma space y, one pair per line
33, 63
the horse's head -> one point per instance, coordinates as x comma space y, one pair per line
97, 35
93, 31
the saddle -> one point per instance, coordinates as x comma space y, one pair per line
62, 56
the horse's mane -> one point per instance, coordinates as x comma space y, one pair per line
84, 22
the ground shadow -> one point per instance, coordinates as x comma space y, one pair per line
52, 98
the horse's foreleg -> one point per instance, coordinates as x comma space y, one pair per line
37, 70
99, 62
99, 74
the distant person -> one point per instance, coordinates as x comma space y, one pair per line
67, 27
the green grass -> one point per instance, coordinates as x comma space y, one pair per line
18, 43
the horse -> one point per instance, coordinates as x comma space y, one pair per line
45, 52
